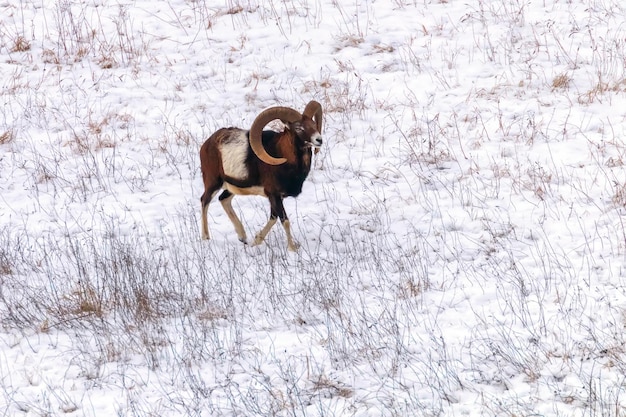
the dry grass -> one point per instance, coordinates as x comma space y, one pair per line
6, 137
561, 82
20, 44
431, 272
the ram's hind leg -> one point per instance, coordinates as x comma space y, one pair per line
205, 200
211, 187
226, 199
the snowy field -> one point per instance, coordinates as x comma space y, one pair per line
462, 231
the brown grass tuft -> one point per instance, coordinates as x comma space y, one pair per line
6, 137
619, 197
561, 82
20, 45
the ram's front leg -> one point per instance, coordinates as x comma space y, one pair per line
260, 237
291, 245
277, 210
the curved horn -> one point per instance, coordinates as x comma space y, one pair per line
314, 111
283, 113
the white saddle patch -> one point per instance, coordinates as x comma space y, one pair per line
234, 154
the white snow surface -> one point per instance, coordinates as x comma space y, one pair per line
462, 229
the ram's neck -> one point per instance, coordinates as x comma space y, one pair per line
286, 147
306, 159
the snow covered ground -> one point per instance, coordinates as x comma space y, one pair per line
462, 231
